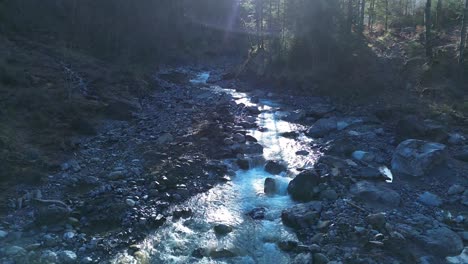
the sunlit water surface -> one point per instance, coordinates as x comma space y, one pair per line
251, 241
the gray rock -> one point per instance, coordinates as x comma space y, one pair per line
417, 158
363, 156
430, 199
302, 215
270, 186
165, 139
329, 194
455, 189
67, 256
322, 127
243, 164
320, 258
116, 175
456, 139
377, 221
303, 258
463, 155
302, 187
319, 109
375, 194
370, 173
222, 229
257, 213
274, 167
3, 234
15, 251
238, 137
48, 257
442, 242
414, 127
68, 235
130, 202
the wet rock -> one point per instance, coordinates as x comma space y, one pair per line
442, 242
370, 173
252, 149
238, 137
303, 258
49, 256
329, 195
463, 155
130, 202
456, 139
270, 186
3, 234
302, 187
414, 127
322, 127
222, 229
69, 235
50, 214
243, 164
320, 109
182, 213
295, 116
363, 156
228, 141
302, 215
274, 167
302, 153
320, 258
430, 199
116, 175
375, 194
222, 253
288, 245
257, 213
67, 256
249, 138
460, 259
377, 221
15, 251
416, 157
455, 189
165, 139
292, 134
342, 147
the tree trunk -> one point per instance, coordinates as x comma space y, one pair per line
428, 23
439, 14
361, 21
386, 15
463, 34
350, 15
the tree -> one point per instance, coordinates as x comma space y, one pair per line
362, 16
463, 33
439, 14
428, 24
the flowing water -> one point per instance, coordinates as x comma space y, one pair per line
251, 241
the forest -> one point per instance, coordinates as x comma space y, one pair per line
233, 131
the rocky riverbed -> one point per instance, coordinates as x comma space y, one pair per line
382, 185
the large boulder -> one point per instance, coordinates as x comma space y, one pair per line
302, 187
302, 215
414, 127
417, 157
375, 194
274, 167
322, 127
442, 242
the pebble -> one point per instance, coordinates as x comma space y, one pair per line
430, 199
67, 256
130, 202
3, 234
455, 189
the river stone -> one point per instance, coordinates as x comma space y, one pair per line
243, 164
274, 167
375, 194
302, 215
238, 137
288, 245
329, 195
301, 188
377, 221
363, 156
48, 256
442, 242
303, 258
222, 253
417, 157
270, 186
322, 127
455, 189
254, 148
222, 229
320, 109
320, 258
15, 251
257, 213
3, 234
165, 138
67, 256
463, 155
430, 199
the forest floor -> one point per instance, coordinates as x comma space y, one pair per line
96, 178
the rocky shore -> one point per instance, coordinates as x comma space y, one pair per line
389, 187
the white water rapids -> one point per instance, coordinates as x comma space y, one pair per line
251, 241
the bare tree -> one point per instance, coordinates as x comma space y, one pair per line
439, 14
428, 23
463, 33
